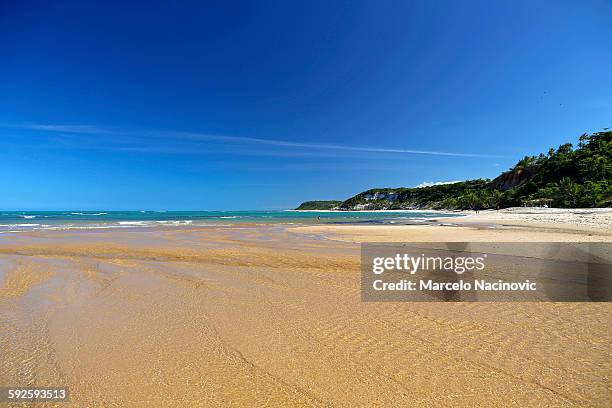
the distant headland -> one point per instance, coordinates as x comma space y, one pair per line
563, 177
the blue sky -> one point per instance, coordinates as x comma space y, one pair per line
262, 105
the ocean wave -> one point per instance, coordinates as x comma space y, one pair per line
153, 222
16, 228
28, 216
79, 213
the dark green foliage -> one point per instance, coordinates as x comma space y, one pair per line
565, 177
319, 205
571, 177
456, 195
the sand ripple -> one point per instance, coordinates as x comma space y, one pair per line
264, 317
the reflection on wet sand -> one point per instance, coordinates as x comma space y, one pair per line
256, 316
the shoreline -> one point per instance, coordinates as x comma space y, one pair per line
383, 211
587, 220
516, 224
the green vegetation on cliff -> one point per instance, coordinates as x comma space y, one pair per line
568, 177
438, 196
319, 205
565, 177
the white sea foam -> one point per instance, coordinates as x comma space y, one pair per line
29, 216
133, 223
15, 228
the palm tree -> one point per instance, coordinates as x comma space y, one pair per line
600, 165
472, 199
496, 197
571, 190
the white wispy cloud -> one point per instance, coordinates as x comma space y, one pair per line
84, 129
146, 137
436, 183
284, 143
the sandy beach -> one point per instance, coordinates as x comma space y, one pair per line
270, 315
508, 225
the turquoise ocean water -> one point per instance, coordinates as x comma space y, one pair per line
16, 221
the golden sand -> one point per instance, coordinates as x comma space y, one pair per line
271, 316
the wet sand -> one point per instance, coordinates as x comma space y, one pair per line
271, 316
